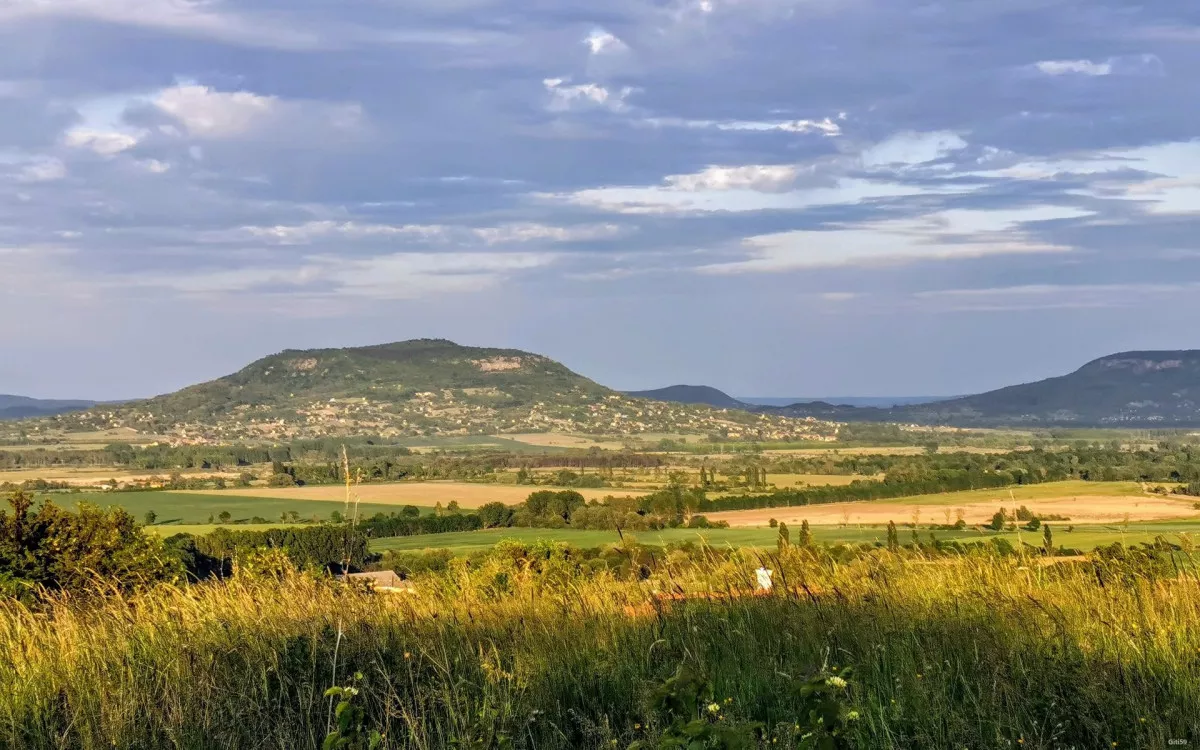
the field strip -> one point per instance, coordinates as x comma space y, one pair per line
1079, 508
467, 495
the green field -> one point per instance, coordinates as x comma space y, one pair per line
1084, 537
194, 509
200, 529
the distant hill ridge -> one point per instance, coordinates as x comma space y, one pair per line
23, 407
413, 388
1137, 388
692, 394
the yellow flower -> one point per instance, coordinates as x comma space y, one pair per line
713, 708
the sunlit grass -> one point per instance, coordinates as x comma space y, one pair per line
960, 652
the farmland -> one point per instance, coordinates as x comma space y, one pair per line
1082, 502
1082, 537
428, 494
190, 508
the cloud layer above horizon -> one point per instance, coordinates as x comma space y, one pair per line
771, 196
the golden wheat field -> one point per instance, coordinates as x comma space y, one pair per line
1079, 509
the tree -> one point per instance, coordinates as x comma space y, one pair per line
998, 521
495, 515
453, 508
893, 537
774, 523
337, 517
785, 537
1048, 539
150, 517
806, 539
225, 516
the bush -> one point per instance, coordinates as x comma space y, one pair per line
54, 549
281, 480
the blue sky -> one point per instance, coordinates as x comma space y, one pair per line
775, 197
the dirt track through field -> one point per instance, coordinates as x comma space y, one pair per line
1080, 509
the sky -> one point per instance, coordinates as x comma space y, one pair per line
773, 197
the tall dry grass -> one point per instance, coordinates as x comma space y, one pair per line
970, 652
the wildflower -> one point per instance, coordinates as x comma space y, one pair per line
637, 726
852, 716
713, 708
836, 682
407, 655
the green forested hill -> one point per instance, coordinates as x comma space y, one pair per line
419, 387
1143, 388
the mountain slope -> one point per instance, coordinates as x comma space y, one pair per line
1147, 388
419, 387
22, 407
691, 394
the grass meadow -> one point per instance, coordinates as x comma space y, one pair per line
1083, 537
195, 508
972, 652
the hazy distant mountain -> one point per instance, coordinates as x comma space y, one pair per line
1159, 388
414, 388
691, 394
879, 401
22, 407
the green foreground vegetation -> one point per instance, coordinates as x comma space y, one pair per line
527, 649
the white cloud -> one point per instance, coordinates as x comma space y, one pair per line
102, 142
959, 233
395, 276
215, 114
1074, 67
911, 149
1049, 296
313, 230
826, 126
532, 232
671, 199
564, 96
504, 234
406, 276
43, 170
602, 42
154, 165
1171, 185
190, 17
1146, 64
760, 177
204, 112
